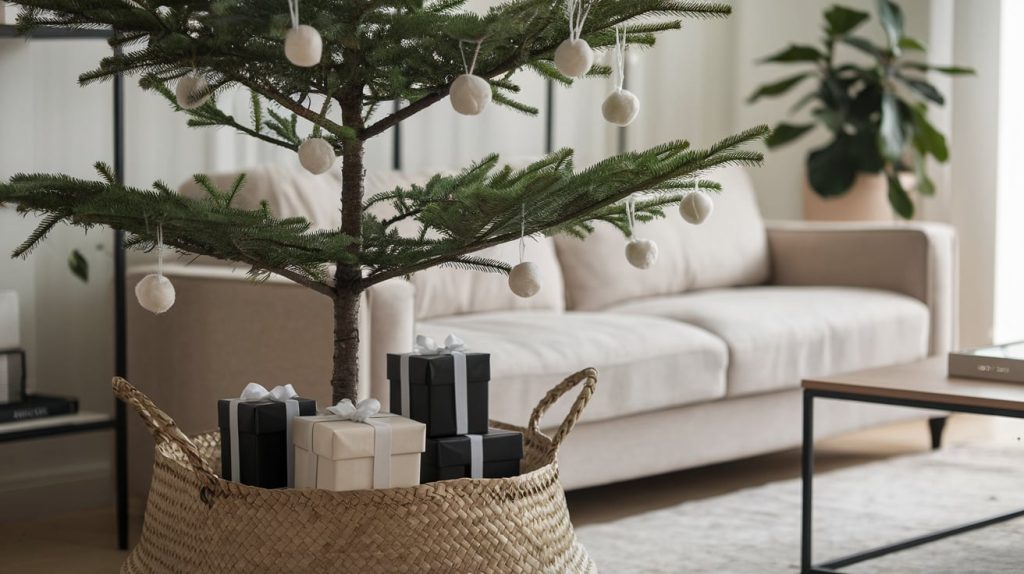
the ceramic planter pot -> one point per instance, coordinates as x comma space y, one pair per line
866, 200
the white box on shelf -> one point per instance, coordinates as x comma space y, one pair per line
9, 331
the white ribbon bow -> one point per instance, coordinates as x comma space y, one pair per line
366, 412
357, 413
455, 347
257, 392
426, 346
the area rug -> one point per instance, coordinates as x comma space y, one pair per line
757, 530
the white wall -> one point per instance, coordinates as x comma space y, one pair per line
1009, 237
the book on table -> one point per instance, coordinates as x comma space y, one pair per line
38, 406
995, 363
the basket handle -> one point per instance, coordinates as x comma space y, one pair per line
163, 428
588, 375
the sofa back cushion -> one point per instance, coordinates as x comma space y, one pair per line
294, 192
729, 249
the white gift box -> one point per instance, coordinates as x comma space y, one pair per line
332, 453
9, 330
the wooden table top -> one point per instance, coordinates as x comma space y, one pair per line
925, 380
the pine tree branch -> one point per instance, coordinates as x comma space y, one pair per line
556, 198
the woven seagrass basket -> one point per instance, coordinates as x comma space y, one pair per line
196, 522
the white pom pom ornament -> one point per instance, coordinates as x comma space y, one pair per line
696, 207
574, 58
191, 92
470, 94
316, 155
155, 293
303, 46
642, 253
524, 279
620, 108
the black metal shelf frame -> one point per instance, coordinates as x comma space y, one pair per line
120, 328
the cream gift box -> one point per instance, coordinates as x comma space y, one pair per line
334, 453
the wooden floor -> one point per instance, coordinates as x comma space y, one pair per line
83, 542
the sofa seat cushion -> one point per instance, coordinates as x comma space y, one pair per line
644, 363
780, 335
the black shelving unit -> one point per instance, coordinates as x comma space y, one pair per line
88, 421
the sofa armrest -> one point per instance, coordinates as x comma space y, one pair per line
391, 326
916, 259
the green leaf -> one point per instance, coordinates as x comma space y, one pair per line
796, 53
842, 20
923, 89
799, 105
951, 70
78, 265
864, 45
927, 139
778, 88
830, 170
891, 16
833, 119
925, 186
898, 197
785, 133
891, 138
908, 43
864, 151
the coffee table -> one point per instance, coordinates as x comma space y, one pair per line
922, 385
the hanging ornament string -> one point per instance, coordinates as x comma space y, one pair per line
577, 12
293, 11
630, 214
160, 250
472, 65
522, 234
620, 57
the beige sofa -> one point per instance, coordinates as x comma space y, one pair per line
700, 357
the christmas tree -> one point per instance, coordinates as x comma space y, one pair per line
333, 64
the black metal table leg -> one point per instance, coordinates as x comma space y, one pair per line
935, 427
936, 424
807, 474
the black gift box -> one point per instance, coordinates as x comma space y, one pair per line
262, 440
432, 391
449, 458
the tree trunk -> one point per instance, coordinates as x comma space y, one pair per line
348, 277
345, 380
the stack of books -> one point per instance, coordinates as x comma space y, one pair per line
997, 363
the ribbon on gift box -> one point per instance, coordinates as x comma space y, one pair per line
476, 455
366, 412
455, 347
256, 392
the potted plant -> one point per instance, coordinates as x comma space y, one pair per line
876, 112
